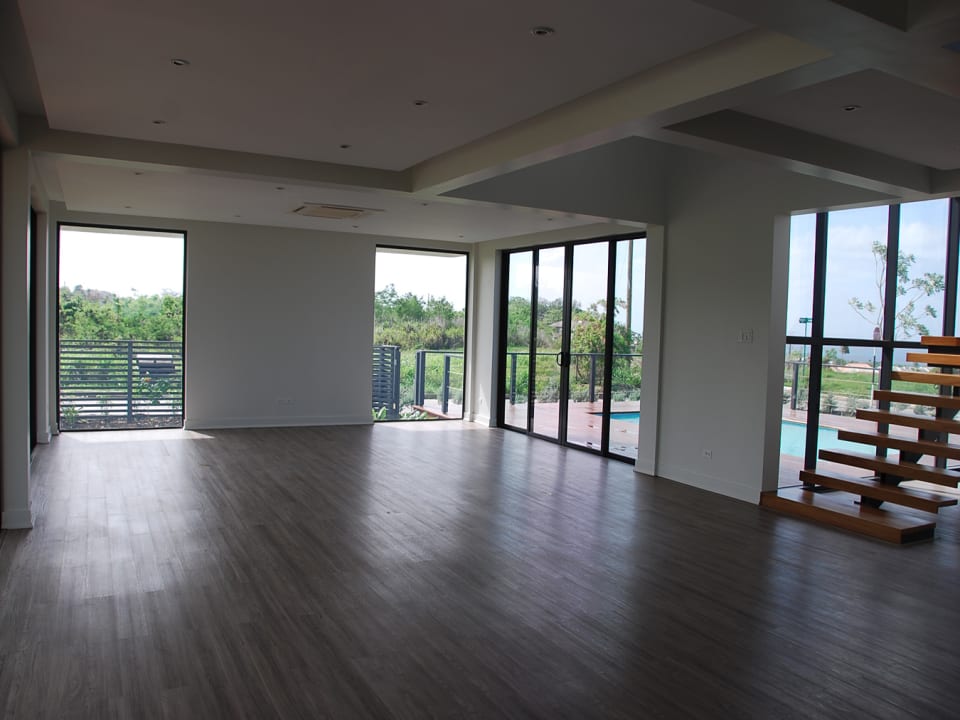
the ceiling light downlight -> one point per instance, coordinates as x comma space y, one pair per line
179, 62
333, 212
851, 108
542, 31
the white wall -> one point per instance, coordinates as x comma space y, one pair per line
279, 323
279, 327
725, 274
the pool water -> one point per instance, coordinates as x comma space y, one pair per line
793, 436
793, 439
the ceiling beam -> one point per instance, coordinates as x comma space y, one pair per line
811, 154
617, 111
141, 154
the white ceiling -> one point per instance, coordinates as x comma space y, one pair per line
290, 79
298, 79
100, 188
887, 106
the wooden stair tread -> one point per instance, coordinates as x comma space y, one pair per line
838, 509
921, 422
885, 440
931, 378
931, 358
940, 341
914, 398
903, 470
871, 488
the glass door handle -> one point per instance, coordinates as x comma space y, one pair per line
559, 359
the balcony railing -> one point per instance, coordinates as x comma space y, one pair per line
416, 383
586, 371
120, 383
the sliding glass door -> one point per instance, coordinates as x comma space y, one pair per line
571, 337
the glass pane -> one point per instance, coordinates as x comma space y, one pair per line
517, 369
546, 406
796, 384
800, 283
913, 408
922, 262
850, 375
856, 261
419, 332
627, 347
587, 344
120, 361
849, 378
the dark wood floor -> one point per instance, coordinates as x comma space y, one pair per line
400, 572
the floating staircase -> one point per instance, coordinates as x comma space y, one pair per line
878, 506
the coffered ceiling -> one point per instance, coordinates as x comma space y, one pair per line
401, 107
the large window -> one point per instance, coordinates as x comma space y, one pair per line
419, 334
120, 328
572, 343
864, 286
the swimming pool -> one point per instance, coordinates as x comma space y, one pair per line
793, 439
793, 436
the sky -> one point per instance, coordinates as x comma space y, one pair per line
425, 274
129, 263
851, 267
124, 263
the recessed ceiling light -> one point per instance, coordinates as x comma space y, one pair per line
236, 216
459, 236
128, 206
280, 187
542, 31
420, 103
355, 227
180, 62
851, 108
424, 204
159, 122
137, 172
345, 146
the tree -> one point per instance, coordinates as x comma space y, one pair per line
100, 315
910, 315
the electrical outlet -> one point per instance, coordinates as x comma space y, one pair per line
745, 336
285, 401
707, 454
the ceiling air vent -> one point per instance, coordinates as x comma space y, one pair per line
333, 212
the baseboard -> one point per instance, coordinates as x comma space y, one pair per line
270, 422
480, 419
737, 491
21, 519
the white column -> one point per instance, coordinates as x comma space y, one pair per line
652, 324
15, 341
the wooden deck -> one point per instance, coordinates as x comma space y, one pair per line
583, 424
